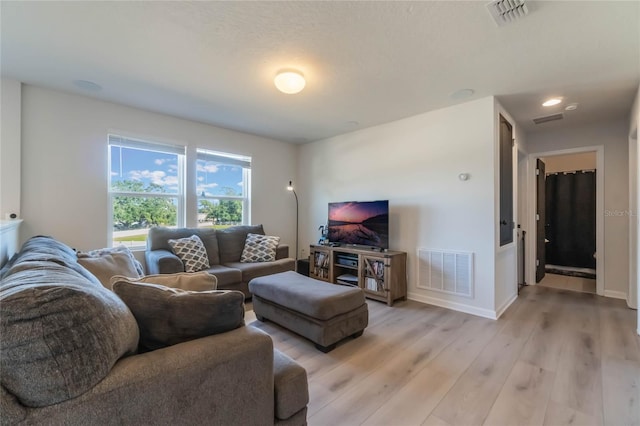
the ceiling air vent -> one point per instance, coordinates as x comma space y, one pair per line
507, 11
547, 118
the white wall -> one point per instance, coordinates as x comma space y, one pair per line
64, 165
9, 240
415, 163
570, 162
613, 136
10, 95
633, 298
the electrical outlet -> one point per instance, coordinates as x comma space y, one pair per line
303, 253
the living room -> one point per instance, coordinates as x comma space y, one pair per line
55, 145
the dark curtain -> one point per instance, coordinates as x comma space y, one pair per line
571, 219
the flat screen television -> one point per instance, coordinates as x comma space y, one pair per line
363, 223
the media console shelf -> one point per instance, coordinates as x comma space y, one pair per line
382, 275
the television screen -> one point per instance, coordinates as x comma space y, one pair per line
363, 223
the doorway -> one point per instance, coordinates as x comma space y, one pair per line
567, 220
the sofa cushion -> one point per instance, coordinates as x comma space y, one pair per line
231, 241
253, 270
192, 253
158, 239
109, 264
225, 275
291, 392
190, 281
61, 333
259, 248
167, 316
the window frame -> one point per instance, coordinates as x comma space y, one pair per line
146, 145
228, 159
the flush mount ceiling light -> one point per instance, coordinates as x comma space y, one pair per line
551, 102
290, 82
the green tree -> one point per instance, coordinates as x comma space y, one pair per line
230, 210
141, 212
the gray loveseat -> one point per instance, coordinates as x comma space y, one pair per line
68, 356
224, 249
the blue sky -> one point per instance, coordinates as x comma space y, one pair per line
162, 169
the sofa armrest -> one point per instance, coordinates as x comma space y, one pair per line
282, 251
162, 262
223, 379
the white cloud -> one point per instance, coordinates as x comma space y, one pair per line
207, 168
200, 179
204, 187
157, 177
208, 185
159, 161
171, 181
240, 183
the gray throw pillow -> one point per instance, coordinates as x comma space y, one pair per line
167, 316
110, 250
61, 333
109, 264
191, 281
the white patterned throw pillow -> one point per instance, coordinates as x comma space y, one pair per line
192, 253
259, 248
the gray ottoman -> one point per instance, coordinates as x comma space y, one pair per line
322, 312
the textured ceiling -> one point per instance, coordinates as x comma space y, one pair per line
366, 63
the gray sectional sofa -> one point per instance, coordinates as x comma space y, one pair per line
68, 355
224, 249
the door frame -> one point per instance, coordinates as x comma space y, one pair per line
531, 213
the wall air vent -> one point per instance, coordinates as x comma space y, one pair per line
446, 271
552, 117
507, 11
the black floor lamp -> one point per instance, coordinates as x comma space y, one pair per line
290, 188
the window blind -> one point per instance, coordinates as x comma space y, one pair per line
235, 160
124, 142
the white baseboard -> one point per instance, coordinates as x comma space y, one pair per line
506, 305
615, 294
460, 307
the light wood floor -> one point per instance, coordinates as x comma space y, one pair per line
554, 358
565, 282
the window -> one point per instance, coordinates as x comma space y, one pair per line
146, 188
223, 182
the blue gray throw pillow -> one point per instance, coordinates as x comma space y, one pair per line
167, 316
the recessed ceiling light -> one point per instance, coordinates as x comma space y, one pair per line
551, 102
87, 85
571, 107
462, 94
290, 82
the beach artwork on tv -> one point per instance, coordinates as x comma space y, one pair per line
364, 223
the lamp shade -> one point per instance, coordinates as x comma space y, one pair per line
290, 82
